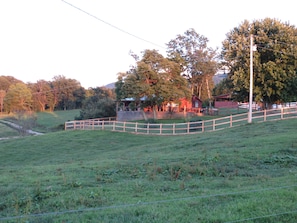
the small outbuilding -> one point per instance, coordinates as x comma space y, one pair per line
193, 105
224, 101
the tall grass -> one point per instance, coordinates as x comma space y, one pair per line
245, 174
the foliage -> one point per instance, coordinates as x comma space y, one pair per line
60, 94
224, 87
41, 95
274, 61
154, 78
96, 176
63, 90
100, 104
18, 98
2, 96
197, 61
6, 81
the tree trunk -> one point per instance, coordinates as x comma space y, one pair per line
154, 112
144, 115
208, 91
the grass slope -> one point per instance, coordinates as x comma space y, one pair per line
53, 121
6, 131
239, 174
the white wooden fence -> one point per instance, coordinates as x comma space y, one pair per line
181, 128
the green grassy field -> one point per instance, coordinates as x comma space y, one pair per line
6, 131
53, 121
242, 174
45, 121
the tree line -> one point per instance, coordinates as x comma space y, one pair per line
59, 94
186, 70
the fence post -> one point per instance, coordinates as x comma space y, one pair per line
173, 129
136, 126
124, 127
282, 113
148, 128
113, 126
230, 120
265, 114
213, 124
202, 126
188, 127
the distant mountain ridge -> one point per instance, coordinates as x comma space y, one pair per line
110, 86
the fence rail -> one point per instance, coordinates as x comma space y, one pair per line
181, 128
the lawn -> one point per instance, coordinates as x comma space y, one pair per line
44, 121
242, 174
53, 121
6, 131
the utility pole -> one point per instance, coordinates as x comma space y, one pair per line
251, 81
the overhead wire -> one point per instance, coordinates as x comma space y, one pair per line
258, 45
155, 203
113, 26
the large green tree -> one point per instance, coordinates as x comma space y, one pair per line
101, 103
155, 78
18, 98
63, 90
197, 61
41, 94
274, 61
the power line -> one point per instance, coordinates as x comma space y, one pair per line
277, 51
153, 203
261, 45
264, 216
113, 26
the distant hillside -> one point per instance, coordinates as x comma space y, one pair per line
110, 86
218, 78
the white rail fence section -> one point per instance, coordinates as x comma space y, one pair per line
181, 128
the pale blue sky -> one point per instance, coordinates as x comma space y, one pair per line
43, 38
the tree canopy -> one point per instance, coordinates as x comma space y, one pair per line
18, 98
274, 64
100, 104
197, 61
154, 77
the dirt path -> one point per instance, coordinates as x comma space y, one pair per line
17, 127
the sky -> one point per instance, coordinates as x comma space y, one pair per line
90, 40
